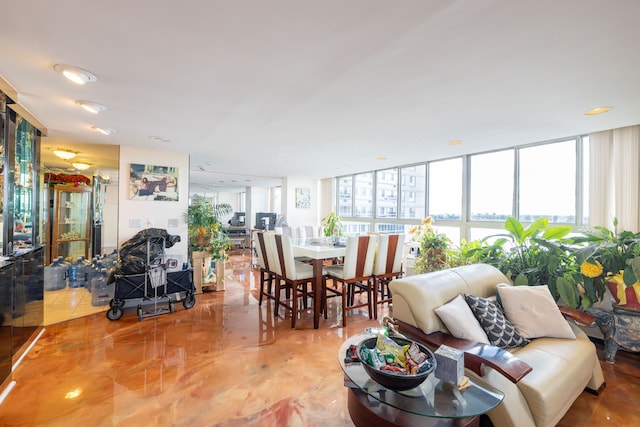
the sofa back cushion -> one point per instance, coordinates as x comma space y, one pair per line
415, 298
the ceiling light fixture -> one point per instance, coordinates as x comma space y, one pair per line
104, 131
92, 107
81, 166
159, 139
455, 142
597, 110
75, 74
64, 154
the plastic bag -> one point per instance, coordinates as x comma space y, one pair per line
144, 249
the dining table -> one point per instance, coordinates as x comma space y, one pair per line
317, 250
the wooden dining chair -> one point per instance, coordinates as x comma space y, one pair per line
267, 276
355, 271
294, 276
387, 266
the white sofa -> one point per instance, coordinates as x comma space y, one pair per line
540, 381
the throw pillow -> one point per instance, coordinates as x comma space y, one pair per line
499, 330
460, 321
534, 312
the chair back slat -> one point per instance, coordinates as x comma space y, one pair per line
359, 256
272, 253
391, 253
281, 257
262, 252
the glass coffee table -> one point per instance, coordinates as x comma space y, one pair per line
432, 403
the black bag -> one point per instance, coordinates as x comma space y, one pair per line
146, 245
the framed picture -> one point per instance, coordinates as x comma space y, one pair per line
151, 182
303, 198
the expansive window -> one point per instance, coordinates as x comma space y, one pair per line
471, 196
412, 190
345, 196
364, 195
491, 186
548, 182
387, 193
445, 189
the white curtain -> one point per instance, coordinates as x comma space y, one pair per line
614, 181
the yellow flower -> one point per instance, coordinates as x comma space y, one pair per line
591, 270
427, 221
413, 229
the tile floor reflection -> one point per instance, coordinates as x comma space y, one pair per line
68, 303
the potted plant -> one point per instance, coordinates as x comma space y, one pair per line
538, 254
611, 259
433, 252
207, 240
332, 225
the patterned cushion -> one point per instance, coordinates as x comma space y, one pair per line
500, 331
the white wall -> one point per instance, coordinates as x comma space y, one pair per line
110, 218
233, 199
154, 214
300, 216
257, 201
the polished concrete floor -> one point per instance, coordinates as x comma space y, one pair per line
224, 362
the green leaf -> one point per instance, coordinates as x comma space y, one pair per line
629, 277
568, 292
521, 280
536, 226
513, 226
557, 232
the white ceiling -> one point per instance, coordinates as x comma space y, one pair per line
258, 90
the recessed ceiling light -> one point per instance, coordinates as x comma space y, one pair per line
92, 107
75, 74
381, 158
81, 165
104, 131
159, 139
64, 154
455, 142
597, 110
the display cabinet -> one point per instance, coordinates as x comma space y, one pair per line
21, 257
71, 228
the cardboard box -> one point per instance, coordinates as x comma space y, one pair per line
450, 364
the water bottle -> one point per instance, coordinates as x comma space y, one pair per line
54, 277
65, 267
101, 293
73, 276
82, 272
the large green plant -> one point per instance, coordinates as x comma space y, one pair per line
534, 255
607, 256
205, 229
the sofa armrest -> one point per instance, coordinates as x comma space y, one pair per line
580, 317
475, 354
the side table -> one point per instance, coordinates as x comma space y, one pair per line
620, 327
433, 403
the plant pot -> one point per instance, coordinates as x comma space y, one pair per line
625, 296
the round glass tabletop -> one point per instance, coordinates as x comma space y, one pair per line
433, 398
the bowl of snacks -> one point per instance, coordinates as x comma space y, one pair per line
396, 363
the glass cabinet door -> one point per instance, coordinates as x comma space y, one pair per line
71, 223
23, 185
